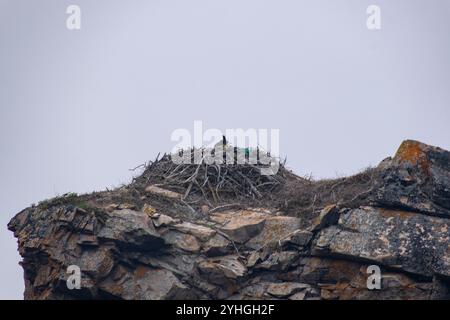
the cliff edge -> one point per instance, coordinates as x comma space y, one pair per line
200, 232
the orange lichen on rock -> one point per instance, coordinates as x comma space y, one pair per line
413, 152
141, 271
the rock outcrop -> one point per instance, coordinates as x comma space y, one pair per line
150, 243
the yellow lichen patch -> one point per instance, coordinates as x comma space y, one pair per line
412, 152
148, 209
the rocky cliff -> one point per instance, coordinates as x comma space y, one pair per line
300, 239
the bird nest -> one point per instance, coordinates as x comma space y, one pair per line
216, 181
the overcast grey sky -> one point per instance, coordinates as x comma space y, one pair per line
79, 108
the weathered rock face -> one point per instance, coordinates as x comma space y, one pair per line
408, 241
144, 251
417, 179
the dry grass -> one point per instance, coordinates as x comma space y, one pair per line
240, 185
223, 184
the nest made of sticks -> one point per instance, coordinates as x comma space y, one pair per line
212, 181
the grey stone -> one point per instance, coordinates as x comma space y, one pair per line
409, 241
132, 230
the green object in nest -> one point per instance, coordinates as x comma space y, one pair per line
246, 151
